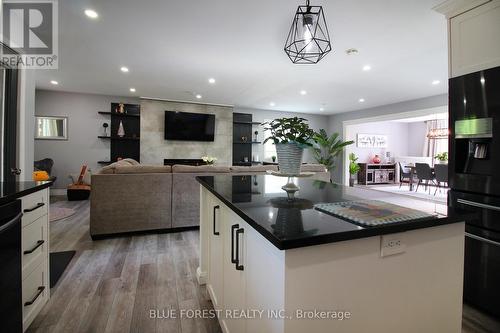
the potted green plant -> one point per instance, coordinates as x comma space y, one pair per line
442, 157
353, 168
291, 136
273, 158
328, 148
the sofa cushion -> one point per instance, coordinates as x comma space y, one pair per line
179, 168
142, 168
313, 168
253, 168
129, 165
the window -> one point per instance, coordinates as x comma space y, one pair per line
269, 148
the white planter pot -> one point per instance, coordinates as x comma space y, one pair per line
289, 157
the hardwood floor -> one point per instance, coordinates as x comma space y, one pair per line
112, 284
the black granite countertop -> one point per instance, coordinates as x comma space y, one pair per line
12, 190
260, 201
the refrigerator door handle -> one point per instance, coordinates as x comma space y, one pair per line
11, 222
477, 204
482, 239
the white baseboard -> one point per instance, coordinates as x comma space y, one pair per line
201, 276
57, 191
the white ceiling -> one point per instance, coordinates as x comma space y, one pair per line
173, 47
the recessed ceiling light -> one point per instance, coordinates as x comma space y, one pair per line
198, 96
272, 104
303, 92
367, 68
211, 80
361, 100
322, 109
436, 82
124, 69
54, 82
132, 89
91, 13
351, 51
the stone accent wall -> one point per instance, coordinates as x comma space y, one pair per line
154, 148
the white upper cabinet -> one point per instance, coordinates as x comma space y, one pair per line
474, 35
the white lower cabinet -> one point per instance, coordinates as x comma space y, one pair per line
35, 254
238, 283
234, 261
214, 281
35, 293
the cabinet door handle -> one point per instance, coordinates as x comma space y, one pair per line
38, 244
216, 233
238, 232
38, 205
233, 228
40, 291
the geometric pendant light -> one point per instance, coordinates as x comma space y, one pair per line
308, 40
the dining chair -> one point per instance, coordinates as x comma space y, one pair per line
404, 173
424, 174
441, 175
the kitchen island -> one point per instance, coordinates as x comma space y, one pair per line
275, 265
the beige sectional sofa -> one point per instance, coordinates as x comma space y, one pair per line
130, 197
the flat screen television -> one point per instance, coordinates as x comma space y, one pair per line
189, 126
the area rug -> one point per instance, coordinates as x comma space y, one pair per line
58, 263
59, 213
440, 197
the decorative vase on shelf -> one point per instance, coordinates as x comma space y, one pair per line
121, 130
289, 157
377, 159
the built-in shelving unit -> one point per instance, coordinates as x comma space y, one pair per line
124, 115
127, 146
243, 131
242, 142
246, 122
118, 138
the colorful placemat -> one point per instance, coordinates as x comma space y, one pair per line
371, 212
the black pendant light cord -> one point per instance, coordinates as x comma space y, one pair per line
308, 7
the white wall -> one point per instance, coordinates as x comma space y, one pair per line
337, 121
316, 122
416, 138
397, 140
84, 125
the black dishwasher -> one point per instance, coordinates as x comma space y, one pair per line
11, 312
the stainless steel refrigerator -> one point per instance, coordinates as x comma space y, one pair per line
474, 169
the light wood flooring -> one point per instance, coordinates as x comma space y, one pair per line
110, 285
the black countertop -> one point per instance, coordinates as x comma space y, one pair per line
12, 190
260, 201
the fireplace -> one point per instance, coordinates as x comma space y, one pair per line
183, 161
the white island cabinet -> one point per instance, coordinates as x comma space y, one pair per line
344, 286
